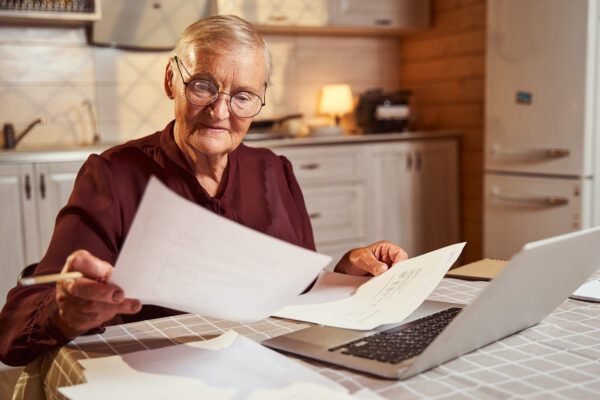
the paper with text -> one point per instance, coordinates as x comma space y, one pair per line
180, 255
385, 299
227, 367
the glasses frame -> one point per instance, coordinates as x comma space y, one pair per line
185, 84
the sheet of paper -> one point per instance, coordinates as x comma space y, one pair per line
331, 286
589, 291
180, 255
385, 299
231, 367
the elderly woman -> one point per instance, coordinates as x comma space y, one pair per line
217, 79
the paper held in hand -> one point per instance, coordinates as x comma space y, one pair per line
182, 256
385, 299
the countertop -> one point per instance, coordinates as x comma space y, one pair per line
68, 153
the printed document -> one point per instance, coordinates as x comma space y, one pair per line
385, 299
179, 255
229, 366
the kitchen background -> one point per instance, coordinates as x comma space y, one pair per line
51, 71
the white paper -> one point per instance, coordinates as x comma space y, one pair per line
385, 299
589, 291
227, 367
331, 286
180, 255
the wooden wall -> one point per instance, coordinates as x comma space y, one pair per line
445, 68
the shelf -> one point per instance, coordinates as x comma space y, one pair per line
34, 12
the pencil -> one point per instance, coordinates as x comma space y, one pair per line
36, 280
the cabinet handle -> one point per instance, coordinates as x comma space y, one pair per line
409, 161
550, 153
42, 186
27, 187
278, 18
418, 161
518, 198
310, 166
314, 215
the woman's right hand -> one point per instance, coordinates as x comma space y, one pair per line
86, 303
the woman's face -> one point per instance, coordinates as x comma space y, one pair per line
213, 129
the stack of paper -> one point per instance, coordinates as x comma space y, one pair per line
227, 367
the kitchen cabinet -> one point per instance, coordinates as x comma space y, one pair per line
333, 181
407, 14
31, 195
331, 17
415, 192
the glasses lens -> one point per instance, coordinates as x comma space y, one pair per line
201, 92
245, 104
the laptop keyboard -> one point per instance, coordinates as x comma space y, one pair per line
400, 343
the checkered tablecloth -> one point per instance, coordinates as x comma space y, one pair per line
556, 359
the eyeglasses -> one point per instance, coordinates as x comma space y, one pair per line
202, 92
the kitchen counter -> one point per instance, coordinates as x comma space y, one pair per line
76, 153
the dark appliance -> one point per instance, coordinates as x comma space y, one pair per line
379, 112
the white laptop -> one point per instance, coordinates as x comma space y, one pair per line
535, 281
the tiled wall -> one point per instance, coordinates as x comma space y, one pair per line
51, 71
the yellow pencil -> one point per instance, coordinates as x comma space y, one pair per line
36, 280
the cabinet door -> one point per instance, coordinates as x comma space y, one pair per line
408, 14
54, 185
280, 12
416, 187
435, 195
19, 242
392, 188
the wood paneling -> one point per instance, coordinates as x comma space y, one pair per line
445, 69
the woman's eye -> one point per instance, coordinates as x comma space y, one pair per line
202, 87
243, 96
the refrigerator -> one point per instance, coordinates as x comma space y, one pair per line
541, 122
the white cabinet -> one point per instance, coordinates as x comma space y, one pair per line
281, 12
31, 195
17, 213
415, 192
407, 14
402, 191
333, 181
404, 14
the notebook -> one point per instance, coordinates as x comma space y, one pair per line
438, 332
485, 270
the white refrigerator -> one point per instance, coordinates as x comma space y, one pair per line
541, 122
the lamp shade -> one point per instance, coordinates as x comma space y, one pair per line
336, 99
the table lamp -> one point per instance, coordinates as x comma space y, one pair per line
336, 100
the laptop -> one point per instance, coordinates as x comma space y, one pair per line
535, 281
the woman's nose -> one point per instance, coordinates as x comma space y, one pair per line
220, 108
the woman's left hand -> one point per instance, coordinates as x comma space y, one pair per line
373, 259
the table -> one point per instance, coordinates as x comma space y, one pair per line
556, 359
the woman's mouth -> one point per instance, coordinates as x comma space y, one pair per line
211, 129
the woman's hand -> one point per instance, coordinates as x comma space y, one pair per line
373, 259
88, 302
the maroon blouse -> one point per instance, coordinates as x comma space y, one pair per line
260, 192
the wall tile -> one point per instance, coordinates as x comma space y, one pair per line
36, 64
130, 67
68, 120
40, 35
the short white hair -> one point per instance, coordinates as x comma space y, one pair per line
213, 34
